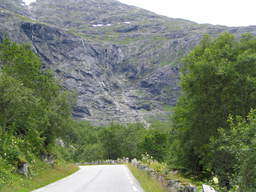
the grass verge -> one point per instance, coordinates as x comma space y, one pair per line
43, 176
148, 183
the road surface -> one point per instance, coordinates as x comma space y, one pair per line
98, 178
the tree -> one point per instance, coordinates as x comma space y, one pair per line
218, 79
239, 143
123, 140
34, 108
155, 144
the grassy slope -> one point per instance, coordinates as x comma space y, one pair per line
42, 176
147, 183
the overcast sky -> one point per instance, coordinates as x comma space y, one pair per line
223, 12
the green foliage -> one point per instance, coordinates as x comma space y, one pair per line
34, 109
31, 99
115, 141
111, 142
155, 144
218, 79
20, 62
86, 140
154, 164
6, 175
239, 144
123, 140
17, 103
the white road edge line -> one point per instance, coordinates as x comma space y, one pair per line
134, 188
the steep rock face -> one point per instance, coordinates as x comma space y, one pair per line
87, 69
16, 6
122, 61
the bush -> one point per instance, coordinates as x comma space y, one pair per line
34, 108
218, 80
239, 145
6, 172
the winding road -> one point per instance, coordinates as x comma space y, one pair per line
98, 178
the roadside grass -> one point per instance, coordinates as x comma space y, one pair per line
148, 183
41, 177
170, 174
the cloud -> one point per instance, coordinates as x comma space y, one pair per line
227, 12
28, 1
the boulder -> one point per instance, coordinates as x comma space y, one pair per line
190, 188
50, 159
23, 169
177, 186
173, 185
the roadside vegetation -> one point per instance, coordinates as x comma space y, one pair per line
210, 135
34, 111
148, 183
163, 169
43, 175
213, 122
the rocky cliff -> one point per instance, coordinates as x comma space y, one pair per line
122, 61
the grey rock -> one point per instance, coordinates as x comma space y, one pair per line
190, 188
173, 184
48, 158
128, 29
176, 186
23, 168
16, 6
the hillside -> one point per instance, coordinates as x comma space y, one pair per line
122, 61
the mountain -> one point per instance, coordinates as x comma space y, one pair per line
122, 61
16, 6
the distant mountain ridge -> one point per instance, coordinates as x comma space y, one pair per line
122, 61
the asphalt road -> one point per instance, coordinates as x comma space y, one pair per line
98, 178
